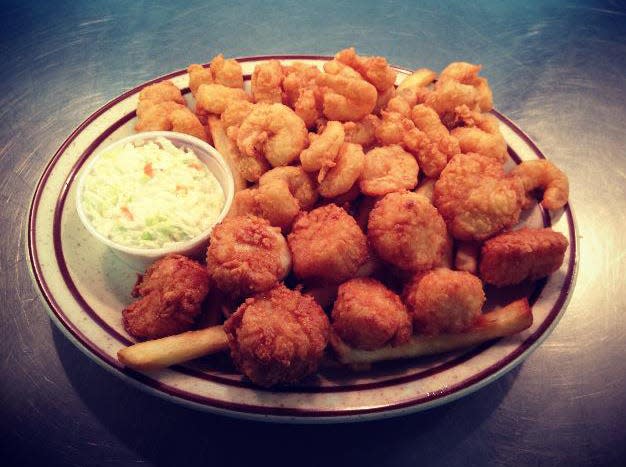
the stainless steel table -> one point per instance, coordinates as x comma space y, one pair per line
556, 68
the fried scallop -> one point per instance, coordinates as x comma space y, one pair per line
171, 294
388, 169
513, 257
367, 315
444, 301
475, 197
277, 337
247, 255
327, 245
407, 231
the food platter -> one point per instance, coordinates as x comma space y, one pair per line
86, 286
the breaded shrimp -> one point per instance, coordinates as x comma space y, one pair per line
513, 257
362, 132
444, 301
450, 94
227, 72
273, 201
277, 337
300, 184
427, 120
375, 70
273, 131
407, 231
467, 73
393, 128
367, 315
233, 116
247, 255
198, 75
475, 197
327, 245
267, 80
545, 175
302, 93
480, 133
388, 169
346, 99
347, 170
214, 98
323, 150
163, 91
171, 294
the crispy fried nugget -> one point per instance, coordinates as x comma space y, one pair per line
513, 257
247, 255
327, 245
442, 300
367, 315
277, 337
475, 197
171, 291
407, 231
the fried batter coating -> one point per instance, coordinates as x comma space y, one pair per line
267, 80
171, 291
272, 131
367, 315
347, 170
327, 245
444, 301
407, 231
233, 116
427, 120
163, 91
480, 133
388, 169
475, 197
247, 255
198, 75
346, 99
362, 132
214, 98
450, 94
227, 72
277, 337
467, 73
300, 183
375, 70
545, 175
323, 150
302, 93
513, 257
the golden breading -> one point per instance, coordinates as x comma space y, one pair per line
277, 337
513, 257
444, 301
367, 315
388, 169
171, 291
407, 231
246, 255
475, 197
327, 245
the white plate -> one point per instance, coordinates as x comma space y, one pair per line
86, 287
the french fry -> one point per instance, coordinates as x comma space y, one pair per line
466, 258
508, 320
167, 351
420, 78
227, 149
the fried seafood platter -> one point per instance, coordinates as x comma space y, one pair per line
378, 219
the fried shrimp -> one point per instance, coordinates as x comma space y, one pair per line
272, 201
214, 98
247, 255
227, 72
346, 99
198, 75
480, 133
327, 245
267, 80
300, 184
302, 93
444, 301
407, 231
427, 120
375, 70
277, 337
362, 132
347, 170
367, 315
450, 94
393, 128
161, 107
335, 67
467, 73
388, 169
513, 257
171, 294
475, 197
273, 131
233, 116
323, 150
544, 175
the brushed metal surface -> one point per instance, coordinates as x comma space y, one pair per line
557, 69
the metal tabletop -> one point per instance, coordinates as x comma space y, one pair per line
556, 68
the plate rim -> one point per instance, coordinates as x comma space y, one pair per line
465, 387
